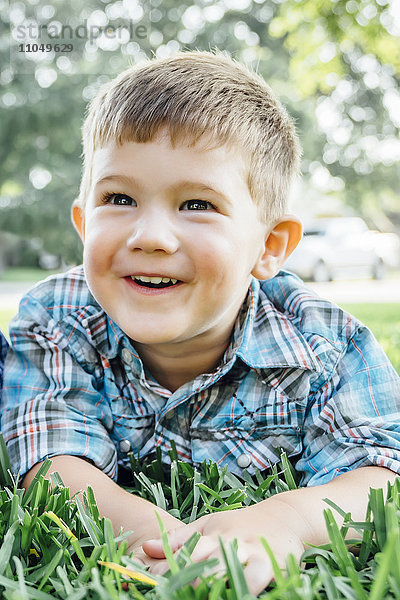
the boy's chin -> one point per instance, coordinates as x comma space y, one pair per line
149, 338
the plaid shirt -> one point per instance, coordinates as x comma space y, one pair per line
299, 375
3, 352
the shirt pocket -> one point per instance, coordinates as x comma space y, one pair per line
133, 427
254, 436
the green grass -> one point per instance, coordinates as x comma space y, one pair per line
24, 274
52, 546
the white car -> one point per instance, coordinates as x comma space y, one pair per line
336, 248
387, 246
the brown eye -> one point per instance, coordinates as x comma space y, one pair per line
198, 205
120, 200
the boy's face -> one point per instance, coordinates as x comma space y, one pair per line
170, 212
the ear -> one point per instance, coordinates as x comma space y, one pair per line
78, 219
280, 242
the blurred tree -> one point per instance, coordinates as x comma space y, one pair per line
335, 63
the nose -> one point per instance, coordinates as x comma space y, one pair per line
153, 232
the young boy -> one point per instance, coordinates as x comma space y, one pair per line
181, 326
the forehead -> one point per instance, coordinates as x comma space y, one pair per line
160, 159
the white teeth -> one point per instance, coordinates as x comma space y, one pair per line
155, 280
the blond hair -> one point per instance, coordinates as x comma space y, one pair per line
199, 95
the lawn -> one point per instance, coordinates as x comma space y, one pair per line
24, 274
54, 547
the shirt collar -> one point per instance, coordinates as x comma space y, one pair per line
106, 336
263, 336
269, 338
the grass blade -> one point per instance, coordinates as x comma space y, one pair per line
380, 583
5, 465
7, 546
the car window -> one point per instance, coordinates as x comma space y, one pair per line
313, 232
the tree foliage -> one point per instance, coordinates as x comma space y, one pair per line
335, 64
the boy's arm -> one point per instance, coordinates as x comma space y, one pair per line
52, 406
123, 508
288, 521
349, 491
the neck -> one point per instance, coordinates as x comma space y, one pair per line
174, 366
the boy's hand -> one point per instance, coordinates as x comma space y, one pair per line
171, 524
272, 519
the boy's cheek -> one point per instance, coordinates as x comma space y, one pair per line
95, 260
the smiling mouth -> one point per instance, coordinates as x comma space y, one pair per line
154, 282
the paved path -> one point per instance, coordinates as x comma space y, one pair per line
363, 290
341, 292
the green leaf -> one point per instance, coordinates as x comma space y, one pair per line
380, 583
109, 539
42, 471
173, 565
378, 510
342, 555
235, 571
186, 575
204, 487
43, 574
89, 525
288, 472
7, 546
275, 567
15, 587
93, 509
5, 465
63, 577
328, 580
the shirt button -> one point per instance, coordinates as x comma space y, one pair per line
125, 446
243, 461
127, 356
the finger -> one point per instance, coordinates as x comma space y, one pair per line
209, 549
206, 546
159, 566
258, 574
143, 559
137, 554
176, 539
218, 571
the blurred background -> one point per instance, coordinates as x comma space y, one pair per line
335, 65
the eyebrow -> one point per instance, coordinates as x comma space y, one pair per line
124, 178
179, 186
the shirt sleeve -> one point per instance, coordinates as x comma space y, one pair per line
354, 420
51, 401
